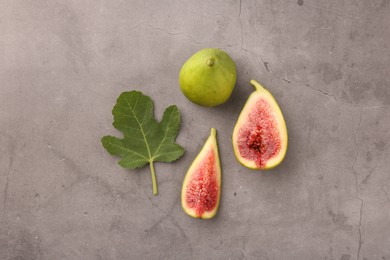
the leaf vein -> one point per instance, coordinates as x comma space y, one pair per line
140, 125
127, 150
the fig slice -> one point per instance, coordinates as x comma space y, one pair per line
260, 134
202, 184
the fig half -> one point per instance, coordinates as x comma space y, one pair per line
202, 184
260, 134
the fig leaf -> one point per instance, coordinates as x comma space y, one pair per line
144, 139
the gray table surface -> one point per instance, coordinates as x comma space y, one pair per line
64, 63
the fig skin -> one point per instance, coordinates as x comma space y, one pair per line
208, 77
261, 93
210, 144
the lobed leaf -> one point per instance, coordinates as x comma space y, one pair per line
144, 139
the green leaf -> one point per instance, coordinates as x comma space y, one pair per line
145, 140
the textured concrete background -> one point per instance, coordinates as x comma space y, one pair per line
64, 63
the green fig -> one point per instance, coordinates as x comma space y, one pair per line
208, 77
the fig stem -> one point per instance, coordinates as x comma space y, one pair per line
210, 61
154, 180
257, 85
213, 132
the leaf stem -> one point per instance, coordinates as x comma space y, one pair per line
154, 180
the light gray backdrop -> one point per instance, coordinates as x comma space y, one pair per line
64, 63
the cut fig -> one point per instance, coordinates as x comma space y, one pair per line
260, 135
202, 184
